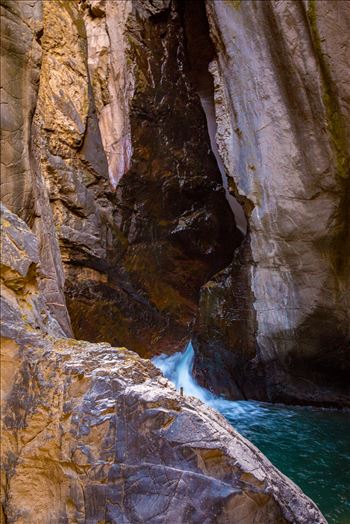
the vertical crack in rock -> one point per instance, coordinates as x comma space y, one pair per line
171, 212
224, 337
201, 53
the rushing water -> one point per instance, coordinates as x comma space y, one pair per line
310, 445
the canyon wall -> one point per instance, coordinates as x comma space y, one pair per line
282, 91
22, 186
127, 198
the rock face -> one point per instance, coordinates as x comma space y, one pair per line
224, 334
71, 166
173, 211
21, 26
111, 79
92, 433
22, 185
282, 108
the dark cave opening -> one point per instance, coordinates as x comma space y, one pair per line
224, 332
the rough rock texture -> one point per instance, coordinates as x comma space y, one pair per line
128, 265
22, 185
173, 210
282, 106
224, 335
21, 274
21, 26
92, 433
71, 167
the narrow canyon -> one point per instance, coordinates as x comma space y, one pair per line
171, 171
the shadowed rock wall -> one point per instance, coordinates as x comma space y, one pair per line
175, 226
282, 106
21, 26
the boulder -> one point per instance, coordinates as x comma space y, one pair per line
92, 433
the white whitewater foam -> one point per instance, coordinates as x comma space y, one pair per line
178, 369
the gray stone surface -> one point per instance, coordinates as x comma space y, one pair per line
21, 276
21, 24
282, 92
106, 439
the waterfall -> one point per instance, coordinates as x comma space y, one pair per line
178, 369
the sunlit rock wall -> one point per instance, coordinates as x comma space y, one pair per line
112, 79
22, 184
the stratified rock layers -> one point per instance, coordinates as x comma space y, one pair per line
282, 106
92, 433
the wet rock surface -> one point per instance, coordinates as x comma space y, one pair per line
130, 263
224, 339
168, 227
92, 433
172, 207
